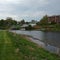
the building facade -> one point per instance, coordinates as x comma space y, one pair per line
55, 19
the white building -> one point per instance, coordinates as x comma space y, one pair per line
26, 25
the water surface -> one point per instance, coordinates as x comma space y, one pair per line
51, 39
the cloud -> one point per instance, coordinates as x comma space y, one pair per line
28, 9
9, 1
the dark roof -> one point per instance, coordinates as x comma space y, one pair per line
54, 16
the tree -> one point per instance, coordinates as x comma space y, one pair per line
44, 20
29, 27
10, 21
33, 21
5, 24
27, 22
22, 22
2, 22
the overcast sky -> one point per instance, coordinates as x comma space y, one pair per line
28, 9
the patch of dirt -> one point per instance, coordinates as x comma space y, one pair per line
17, 50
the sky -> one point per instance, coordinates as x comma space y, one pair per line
28, 9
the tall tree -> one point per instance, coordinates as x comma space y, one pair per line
10, 21
43, 21
22, 22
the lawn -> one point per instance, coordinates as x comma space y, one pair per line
16, 47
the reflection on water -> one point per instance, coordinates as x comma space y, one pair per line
46, 46
51, 39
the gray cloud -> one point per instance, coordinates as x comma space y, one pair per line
28, 9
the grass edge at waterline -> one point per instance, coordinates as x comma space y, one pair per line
17, 47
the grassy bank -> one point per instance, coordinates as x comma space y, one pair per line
50, 27
16, 47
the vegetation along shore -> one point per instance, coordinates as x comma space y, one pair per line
15, 47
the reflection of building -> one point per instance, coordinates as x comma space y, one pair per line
55, 19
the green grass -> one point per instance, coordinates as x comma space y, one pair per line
16, 47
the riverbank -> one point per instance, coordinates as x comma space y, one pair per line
17, 47
44, 45
50, 27
50, 30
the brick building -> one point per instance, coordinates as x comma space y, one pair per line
55, 19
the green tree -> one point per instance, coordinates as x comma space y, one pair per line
22, 22
5, 24
43, 21
10, 21
29, 27
1, 22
